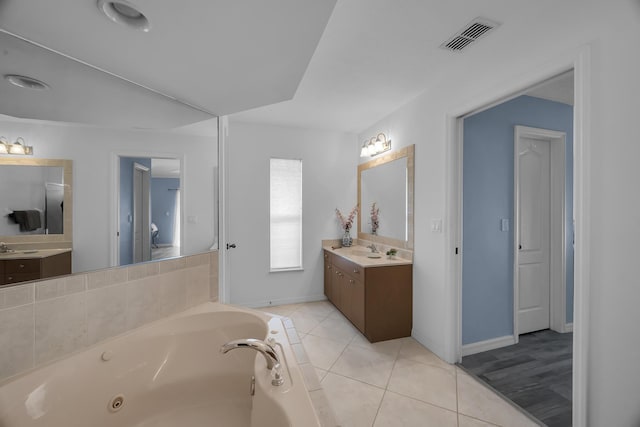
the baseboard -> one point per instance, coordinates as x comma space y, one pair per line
568, 327
282, 301
491, 344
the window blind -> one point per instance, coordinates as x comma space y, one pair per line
285, 214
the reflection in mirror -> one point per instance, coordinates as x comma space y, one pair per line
387, 181
32, 200
149, 214
87, 116
385, 185
35, 202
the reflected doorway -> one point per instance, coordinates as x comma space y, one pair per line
149, 214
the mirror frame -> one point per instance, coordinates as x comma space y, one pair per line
64, 240
408, 153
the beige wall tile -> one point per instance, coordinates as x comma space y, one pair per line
143, 302
196, 260
16, 295
172, 265
140, 271
60, 326
106, 312
198, 285
16, 340
60, 287
173, 294
97, 279
213, 263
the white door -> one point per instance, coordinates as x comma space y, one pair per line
533, 239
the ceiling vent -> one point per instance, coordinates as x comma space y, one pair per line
475, 30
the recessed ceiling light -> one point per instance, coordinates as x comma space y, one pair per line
125, 13
26, 82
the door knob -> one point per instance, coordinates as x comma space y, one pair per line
231, 245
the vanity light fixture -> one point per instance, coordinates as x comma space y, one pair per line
124, 13
376, 145
19, 147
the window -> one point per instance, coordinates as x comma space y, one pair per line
286, 214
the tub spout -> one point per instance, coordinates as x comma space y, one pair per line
269, 353
262, 347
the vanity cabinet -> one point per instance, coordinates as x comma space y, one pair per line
376, 299
17, 270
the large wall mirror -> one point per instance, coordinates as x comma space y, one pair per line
90, 117
388, 182
36, 203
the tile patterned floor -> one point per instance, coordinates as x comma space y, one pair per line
391, 383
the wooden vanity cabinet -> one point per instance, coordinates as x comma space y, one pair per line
25, 269
376, 299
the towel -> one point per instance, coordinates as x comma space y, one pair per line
29, 220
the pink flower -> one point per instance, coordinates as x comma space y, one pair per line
348, 222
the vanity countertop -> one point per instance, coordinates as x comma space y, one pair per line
360, 255
32, 253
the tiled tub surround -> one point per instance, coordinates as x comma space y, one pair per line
46, 320
170, 372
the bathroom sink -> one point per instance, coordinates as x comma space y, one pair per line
374, 255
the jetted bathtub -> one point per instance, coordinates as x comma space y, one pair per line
169, 373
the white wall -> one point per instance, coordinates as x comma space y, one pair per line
614, 346
91, 149
329, 180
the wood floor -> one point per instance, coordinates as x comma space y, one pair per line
535, 374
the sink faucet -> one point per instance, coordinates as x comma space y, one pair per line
269, 353
3, 248
373, 248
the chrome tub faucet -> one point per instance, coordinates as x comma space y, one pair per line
269, 353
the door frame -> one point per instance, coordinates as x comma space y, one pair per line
557, 254
579, 61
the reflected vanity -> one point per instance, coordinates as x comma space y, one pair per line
41, 247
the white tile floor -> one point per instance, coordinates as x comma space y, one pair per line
391, 383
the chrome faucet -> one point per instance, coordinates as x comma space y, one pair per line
3, 248
269, 353
373, 248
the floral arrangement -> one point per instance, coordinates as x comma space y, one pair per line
375, 222
348, 222
392, 252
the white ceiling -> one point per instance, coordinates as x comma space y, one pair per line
373, 56
220, 56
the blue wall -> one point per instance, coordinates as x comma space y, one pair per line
126, 206
163, 207
487, 271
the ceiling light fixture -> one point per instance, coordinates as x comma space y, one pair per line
19, 147
376, 145
26, 82
125, 13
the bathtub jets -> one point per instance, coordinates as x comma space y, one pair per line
269, 353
